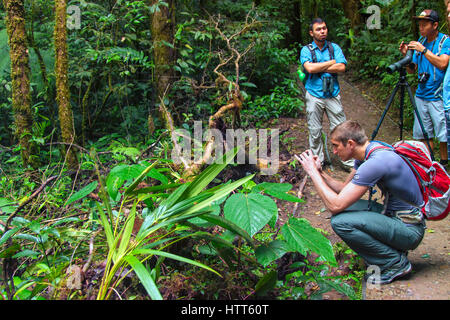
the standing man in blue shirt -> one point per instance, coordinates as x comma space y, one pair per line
430, 60
322, 62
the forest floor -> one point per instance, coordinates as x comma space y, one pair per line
430, 279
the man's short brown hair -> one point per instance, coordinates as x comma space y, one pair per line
349, 130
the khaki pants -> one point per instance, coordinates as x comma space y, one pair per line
315, 109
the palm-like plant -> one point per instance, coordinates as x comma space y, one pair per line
188, 201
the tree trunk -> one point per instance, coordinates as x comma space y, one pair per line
163, 30
414, 29
20, 78
352, 12
62, 85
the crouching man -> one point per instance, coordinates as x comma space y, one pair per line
380, 234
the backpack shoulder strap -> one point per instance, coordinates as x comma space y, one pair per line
441, 43
383, 145
313, 53
330, 49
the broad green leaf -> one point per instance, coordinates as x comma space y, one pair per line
140, 177
8, 234
265, 254
155, 174
119, 174
27, 253
145, 277
224, 223
338, 286
277, 190
250, 211
7, 206
302, 237
266, 283
219, 194
80, 194
174, 257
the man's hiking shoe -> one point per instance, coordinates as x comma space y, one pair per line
391, 274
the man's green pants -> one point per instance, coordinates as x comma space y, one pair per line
380, 240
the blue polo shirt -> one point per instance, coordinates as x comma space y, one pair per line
426, 91
314, 81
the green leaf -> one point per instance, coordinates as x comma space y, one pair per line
265, 254
251, 211
224, 223
8, 235
145, 277
208, 175
121, 173
219, 194
83, 192
266, 283
27, 253
174, 257
106, 226
141, 176
302, 237
277, 190
127, 231
7, 206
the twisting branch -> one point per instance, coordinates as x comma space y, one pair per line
229, 56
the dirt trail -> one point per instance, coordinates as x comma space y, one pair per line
430, 279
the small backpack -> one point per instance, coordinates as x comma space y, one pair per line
434, 181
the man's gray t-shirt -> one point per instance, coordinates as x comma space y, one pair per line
392, 175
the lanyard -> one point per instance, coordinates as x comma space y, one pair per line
421, 56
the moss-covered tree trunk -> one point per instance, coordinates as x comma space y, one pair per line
20, 78
352, 13
62, 84
163, 30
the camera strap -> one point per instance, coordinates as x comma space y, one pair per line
441, 44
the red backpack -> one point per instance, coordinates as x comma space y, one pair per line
433, 180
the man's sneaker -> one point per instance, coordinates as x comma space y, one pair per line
390, 274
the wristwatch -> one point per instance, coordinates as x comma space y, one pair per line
424, 51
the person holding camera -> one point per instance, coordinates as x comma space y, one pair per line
322, 61
380, 234
430, 60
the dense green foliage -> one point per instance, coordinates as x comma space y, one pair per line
128, 207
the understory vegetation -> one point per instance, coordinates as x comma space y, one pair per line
124, 220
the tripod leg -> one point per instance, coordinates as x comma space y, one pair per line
402, 106
388, 105
413, 102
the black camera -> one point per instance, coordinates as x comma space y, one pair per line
327, 84
401, 63
423, 77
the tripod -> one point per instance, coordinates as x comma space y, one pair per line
402, 84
